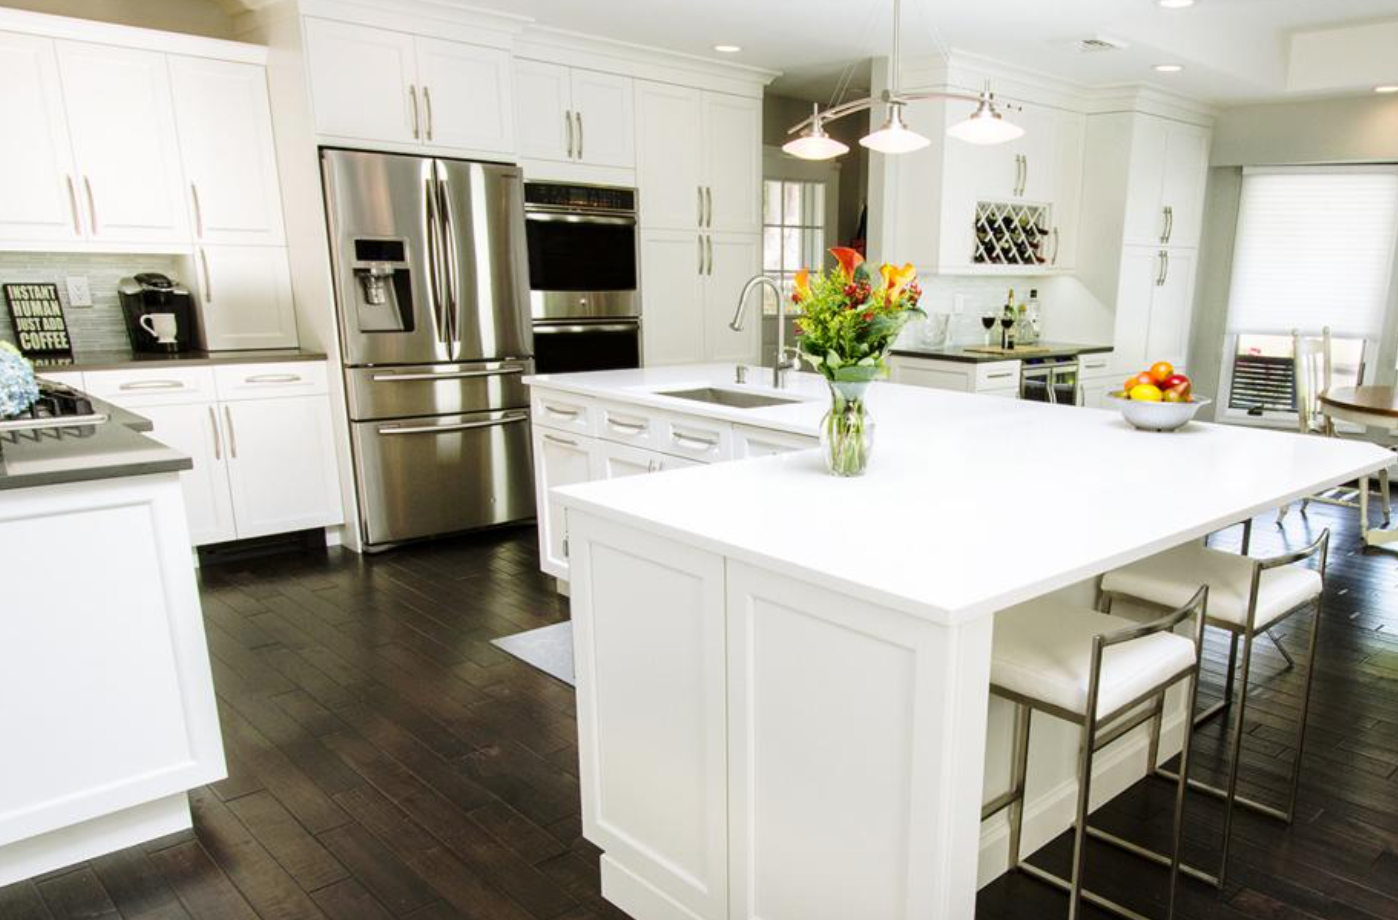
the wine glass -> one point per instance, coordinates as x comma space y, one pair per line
988, 321
1006, 322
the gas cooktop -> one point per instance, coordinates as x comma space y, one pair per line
58, 407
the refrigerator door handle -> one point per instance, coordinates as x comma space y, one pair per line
449, 255
434, 271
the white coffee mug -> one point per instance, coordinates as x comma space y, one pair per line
161, 326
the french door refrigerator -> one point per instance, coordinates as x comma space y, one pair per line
432, 284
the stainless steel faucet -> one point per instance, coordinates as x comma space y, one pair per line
783, 363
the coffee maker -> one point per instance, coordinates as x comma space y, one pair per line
159, 313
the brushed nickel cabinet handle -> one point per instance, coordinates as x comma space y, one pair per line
568, 127
412, 106
427, 104
218, 441
561, 413
232, 437
708, 206
636, 427
91, 203
73, 206
1169, 222
578, 116
208, 276
699, 189
709, 247
700, 240
566, 442
1164, 268
272, 378
198, 210
701, 443
1164, 224
1053, 260
152, 385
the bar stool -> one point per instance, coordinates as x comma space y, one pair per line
1094, 670
1247, 597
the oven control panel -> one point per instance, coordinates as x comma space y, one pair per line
561, 196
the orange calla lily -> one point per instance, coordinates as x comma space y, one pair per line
849, 260
802, 282
896, 279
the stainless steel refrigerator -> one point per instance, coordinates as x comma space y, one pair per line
432, 284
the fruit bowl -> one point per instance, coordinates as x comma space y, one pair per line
1157, 416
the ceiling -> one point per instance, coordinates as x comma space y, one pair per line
1232, 50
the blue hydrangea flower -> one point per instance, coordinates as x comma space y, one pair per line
18, 388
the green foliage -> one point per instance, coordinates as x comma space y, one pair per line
846, 327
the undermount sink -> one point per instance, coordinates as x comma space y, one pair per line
734, 399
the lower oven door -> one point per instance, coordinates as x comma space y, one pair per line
564, 348
420, 477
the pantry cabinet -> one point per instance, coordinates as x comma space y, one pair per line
38, 195
573, 115
246, 296
1165, 191
689, 285
1154, 306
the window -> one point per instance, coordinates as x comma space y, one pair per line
1314, 249
793, 232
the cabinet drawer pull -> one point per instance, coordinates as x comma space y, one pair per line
449, 429
568, 127
218, 441
557, 440
562, 413
73, 205
232, 436
708, 206
578, 116
208, 276
427, 104
637, 427
452, 375
272, 378
91, 203
1000, 376
699, 218
198, 210
702, 443
412, 107
152, 385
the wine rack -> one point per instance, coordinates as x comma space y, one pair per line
1010, 233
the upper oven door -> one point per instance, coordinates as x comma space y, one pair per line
581, 265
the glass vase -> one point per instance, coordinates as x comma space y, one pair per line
847, 431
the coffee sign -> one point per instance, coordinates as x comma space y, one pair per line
41, 331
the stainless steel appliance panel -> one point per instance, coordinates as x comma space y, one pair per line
384, 197
485, 259
583, 251
438, 475
436, 389
571, 347
551, 306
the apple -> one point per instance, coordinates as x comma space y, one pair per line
1174, 380
1182, 392
1160, 372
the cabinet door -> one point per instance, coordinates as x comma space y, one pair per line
762, 442
669, 155
559, 460
363, 82
1071, 131
733, 163
543, 111
38, 198
281, 464
975, 171
246, 296
1186, 172
194, 430
1039, 149
1172, 308
124, 143
466, 96
606, 120
730, 260
1140, 271
619, 460
672, 319
1145, 214
225, 130
1094, 392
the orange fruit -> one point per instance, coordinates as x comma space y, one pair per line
1146, 392
1160, 372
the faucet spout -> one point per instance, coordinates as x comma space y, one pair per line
782, 363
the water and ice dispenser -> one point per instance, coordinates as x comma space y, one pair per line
383, 289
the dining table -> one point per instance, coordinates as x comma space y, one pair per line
1371, 407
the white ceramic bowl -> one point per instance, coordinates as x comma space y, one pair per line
1158, 416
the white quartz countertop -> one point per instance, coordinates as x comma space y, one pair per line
971, 503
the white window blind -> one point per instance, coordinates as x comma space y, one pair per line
1315, 248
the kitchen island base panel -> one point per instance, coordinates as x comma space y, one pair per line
89, 839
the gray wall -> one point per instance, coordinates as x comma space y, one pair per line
781, 112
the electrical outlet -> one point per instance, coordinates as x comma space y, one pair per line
958, 304
79, 291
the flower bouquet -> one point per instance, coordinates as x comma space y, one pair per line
845, 329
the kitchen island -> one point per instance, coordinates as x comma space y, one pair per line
782, 676
106, 698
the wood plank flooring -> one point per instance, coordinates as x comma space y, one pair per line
385, 761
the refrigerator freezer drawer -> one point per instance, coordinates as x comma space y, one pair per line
423, 477
436, 389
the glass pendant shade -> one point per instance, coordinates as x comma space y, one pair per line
894, 136
814, 144
985, 126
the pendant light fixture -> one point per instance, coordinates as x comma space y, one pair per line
985, 125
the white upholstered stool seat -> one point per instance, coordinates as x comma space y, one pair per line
1043, 651
1171, 578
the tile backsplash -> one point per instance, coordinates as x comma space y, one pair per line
979, 295
96, 328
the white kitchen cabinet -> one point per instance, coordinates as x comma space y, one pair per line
194, 430
732, 163
670, 155
1172, 309
672, 296
465, 96
994, 378
280, 457
122, 126
1153, 307
732, 258
617, 460
574, 115
606, 118
1169, 164
749, 441
1097, 377
544, 126
38, 195
363, 81
246, 297
560, 459
225, 131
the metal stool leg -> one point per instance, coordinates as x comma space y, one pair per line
1383, 492
1290, 662
1305, 711
1181, 788
1237, 759
1089, 741
1019, 771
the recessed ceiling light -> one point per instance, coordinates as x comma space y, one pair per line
727, 49
1174, 4
1387, 88
1168, 68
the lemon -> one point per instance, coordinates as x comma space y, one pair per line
1145, 392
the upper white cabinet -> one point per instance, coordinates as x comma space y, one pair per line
569, 114
698, 159
689, 289
1165, 193
38, 195
245, 292
225, 132
126, 153
732, 258
379, 85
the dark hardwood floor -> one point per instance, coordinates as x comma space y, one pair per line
385, 761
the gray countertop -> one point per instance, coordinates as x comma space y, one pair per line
959, 353
122, 360
112, 450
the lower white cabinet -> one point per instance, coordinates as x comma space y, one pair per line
991, 378
1153, 308
561, 458
764, 442
259, 435
1097, 376
689, 287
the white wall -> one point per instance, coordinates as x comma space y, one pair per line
196, 17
